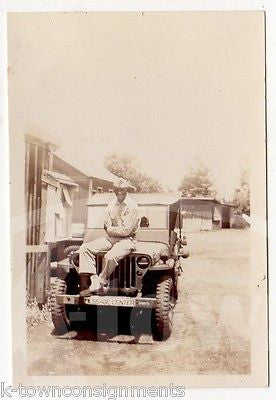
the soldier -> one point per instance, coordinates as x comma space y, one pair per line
121, 225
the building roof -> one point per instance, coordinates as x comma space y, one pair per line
91, 170
45, 141
199, 198
206, 199
202, 198
139, 198
60, 178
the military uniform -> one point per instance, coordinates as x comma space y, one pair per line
121, 224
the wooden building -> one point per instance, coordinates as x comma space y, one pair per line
205, 214
94, 179
56, 193
38, 157
59, 206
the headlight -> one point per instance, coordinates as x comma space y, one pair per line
143, 262
164, 255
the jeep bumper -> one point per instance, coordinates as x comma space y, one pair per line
116, 301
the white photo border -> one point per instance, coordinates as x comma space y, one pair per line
39, 5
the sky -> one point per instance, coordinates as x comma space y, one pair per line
170, 89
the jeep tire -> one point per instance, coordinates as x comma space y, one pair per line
163, 313
70, 249
58, 311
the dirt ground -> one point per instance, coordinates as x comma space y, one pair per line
210, 332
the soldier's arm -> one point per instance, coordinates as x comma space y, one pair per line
107, 219
129, 222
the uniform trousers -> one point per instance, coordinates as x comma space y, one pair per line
116, 247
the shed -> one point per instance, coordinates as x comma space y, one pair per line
38, 157
205, 214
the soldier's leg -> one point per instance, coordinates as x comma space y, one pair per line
87, 267
119, 250
88, 251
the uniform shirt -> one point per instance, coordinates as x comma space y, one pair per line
122, 218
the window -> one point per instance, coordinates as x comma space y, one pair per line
144, 223
110, 190
99, 189
157, 216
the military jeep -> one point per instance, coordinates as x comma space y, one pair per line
145, 279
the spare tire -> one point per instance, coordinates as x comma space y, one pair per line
59, 313
70, 249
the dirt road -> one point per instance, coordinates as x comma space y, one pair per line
210, 333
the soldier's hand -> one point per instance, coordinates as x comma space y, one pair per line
106, 226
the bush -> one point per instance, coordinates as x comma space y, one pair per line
35, 313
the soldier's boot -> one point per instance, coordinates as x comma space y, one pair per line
90, 285
85, 282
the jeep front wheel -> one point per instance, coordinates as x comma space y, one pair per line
163, 313
58, 311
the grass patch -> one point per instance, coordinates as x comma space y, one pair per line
36, 313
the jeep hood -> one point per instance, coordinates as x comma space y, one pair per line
152, 249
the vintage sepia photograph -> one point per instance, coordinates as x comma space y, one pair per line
138, 196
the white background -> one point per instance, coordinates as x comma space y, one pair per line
63, 5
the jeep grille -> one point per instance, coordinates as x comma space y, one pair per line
124, 276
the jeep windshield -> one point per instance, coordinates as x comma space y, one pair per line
152, 217
157, 212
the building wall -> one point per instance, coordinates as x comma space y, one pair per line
80, 195
232, 217
197, 215
225, 217
79, 203
200, 215
217, 216
87, 187
37, 158
58, 212
100, 183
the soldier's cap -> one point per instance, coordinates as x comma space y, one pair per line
121, 183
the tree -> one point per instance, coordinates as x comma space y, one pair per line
127, 168
241, 198
197, 183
